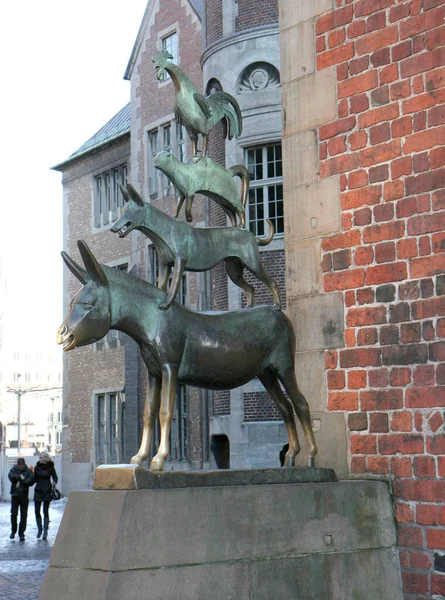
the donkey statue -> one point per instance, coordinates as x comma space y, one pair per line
217, 351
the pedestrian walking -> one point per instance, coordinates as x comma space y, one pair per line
21, 478
44, 472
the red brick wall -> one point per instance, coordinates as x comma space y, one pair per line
214, 21
253, 13
388, 260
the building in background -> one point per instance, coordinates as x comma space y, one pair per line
32, 401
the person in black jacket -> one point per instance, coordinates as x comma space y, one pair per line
44, 471
21, 479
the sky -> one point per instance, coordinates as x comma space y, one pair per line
62, 65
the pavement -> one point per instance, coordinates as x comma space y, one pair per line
23, 564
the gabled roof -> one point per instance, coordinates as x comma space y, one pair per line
195, 4
115, 128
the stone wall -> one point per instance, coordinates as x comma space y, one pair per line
365, 199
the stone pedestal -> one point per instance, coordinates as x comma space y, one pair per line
305, 541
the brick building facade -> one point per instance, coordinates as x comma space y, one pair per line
364, 185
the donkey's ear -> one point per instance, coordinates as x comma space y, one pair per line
93, 268
124, 192
134, 194
75, 269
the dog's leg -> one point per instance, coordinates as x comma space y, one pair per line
164, 274
188, 208
178, 271
234, 269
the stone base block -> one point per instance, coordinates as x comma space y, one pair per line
334, 541
132, 477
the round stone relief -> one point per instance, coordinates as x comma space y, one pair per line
258, 76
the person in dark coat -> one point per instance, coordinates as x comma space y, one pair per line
21, 479
44, 472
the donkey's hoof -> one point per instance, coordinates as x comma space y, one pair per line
157, 464
136, 460
310, 461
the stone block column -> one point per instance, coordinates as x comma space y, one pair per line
312, 211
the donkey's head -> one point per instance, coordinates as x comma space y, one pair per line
89, 316
133, 213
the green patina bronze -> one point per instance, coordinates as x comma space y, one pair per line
215, 350
210, 179
197, 113
218, 351
184, 248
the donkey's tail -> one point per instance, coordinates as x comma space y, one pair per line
266, 241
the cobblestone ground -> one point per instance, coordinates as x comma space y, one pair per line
23, 564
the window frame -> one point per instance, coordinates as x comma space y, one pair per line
104, 453
107, 199
159, 186
265, 184
173, 50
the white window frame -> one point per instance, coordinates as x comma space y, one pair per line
108, 446
263, 186
159, 186
107, 197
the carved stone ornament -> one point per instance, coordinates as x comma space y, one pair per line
258, 76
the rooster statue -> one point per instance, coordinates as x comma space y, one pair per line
197, 113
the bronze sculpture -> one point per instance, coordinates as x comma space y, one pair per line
219, 350
211, 179
211, 350
197, 113
185, 248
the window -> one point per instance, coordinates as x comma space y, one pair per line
171, 138
266, 189
113, 336
107, 197
59, 416
153, 275
170, 44
58, 438
109, 419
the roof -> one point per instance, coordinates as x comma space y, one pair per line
115, 128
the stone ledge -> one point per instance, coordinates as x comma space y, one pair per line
132, 477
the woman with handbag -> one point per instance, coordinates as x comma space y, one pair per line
44, 472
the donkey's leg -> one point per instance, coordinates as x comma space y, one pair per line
178, 271
168, 396
164, 274
263, 276
301, 408
151, 410
270, 382
234, 269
